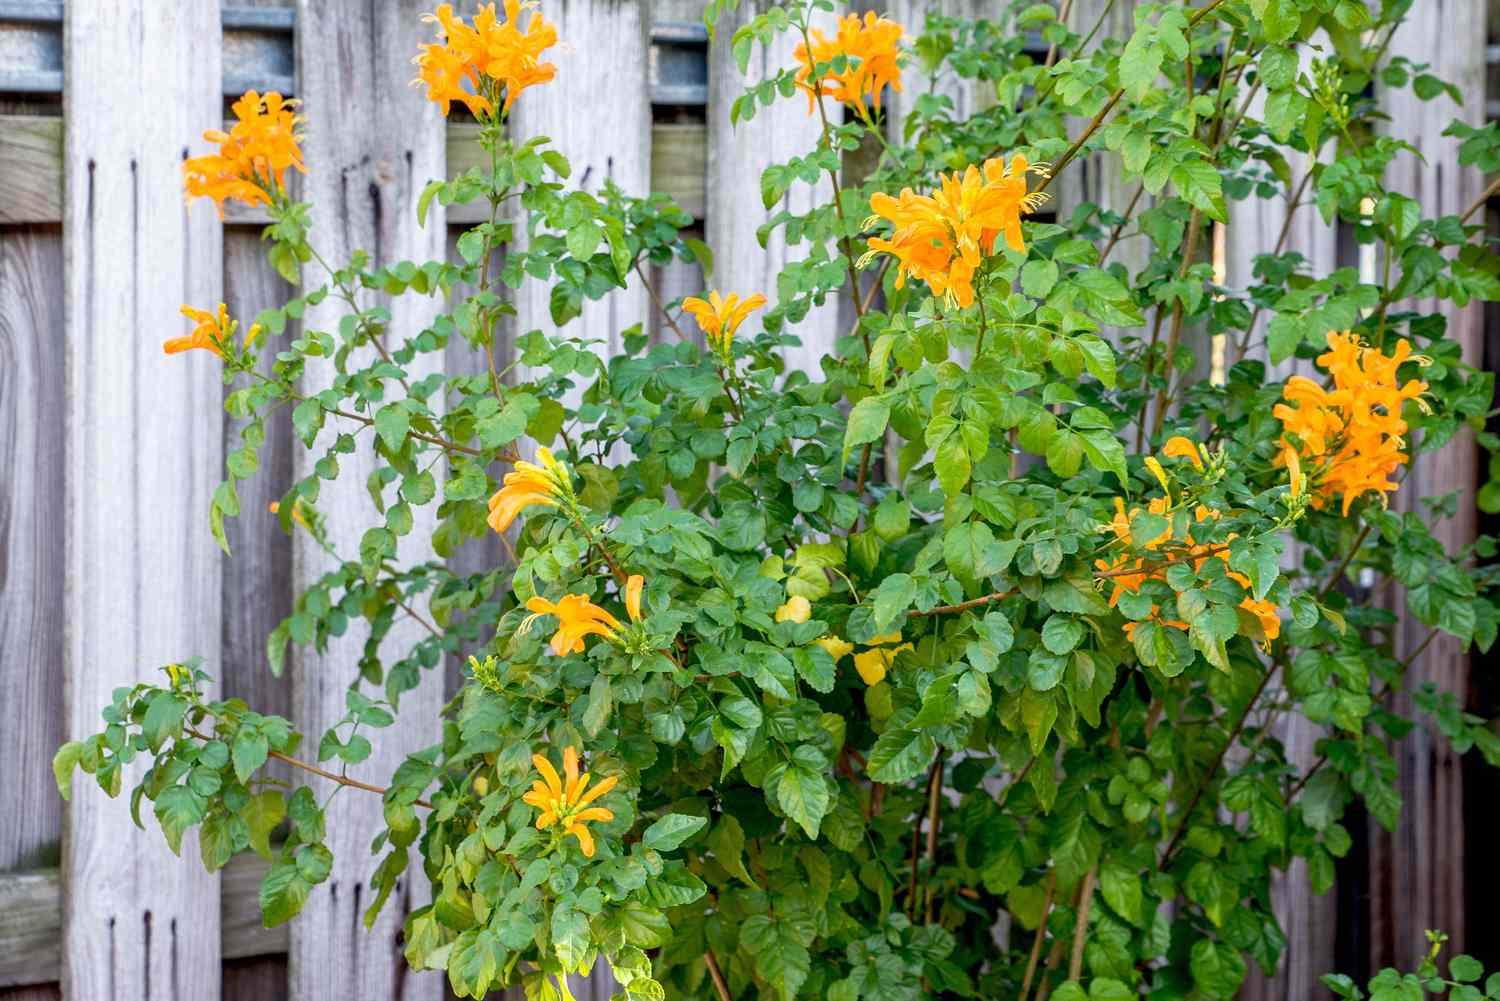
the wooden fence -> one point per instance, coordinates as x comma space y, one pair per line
108, 452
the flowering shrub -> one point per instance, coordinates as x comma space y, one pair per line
993, 616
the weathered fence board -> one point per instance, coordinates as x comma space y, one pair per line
372, 145
143, 445
603, 139
737, 155
1418, 873
32, 379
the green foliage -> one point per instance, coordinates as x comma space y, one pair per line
901, 665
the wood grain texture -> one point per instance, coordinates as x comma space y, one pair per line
372, 144
736, 158
1309, 921
143, 457
598, 114
258, 575
912, 14
1418, 872
31, 914
32, 380
30, 169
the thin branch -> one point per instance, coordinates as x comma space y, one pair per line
1234, 735
656, 301
962, 606
1338, 572
934, 777
342, 780
717, 975
1041, 935
1114, 236
934, 800
1478, 203
1085, 900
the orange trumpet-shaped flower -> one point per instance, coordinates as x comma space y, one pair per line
633, 586
253, 156
211, 332
720, 316
473, 63
567, 803
577, 617
942, 238
871, 50
1178, 447
529, 484
1352, 436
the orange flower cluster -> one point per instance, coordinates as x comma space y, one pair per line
211, 332
488, 56
720, 316
253, 155
942, 237
530, 484
1350, 439
871, 50
1145, 569
568, 805
578, 617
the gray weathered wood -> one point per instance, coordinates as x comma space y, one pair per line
604, 138
1309, 921
142, 461
32, 381
912, 15
30, 169
31, 914
736, 158
372, 144
258, 575
1418, 873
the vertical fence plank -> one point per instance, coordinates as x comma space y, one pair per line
1309, 921
142, 461
1418, 877
258, 575
257, 585
965, 93
372, 144
737, 155
597, 111
31, 540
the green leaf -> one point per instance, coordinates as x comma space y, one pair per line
779, 953
63, 763
282, 893
900, 754
1121, 887
1140, 63
803, 794
1038, 713
1217, 968
1062, 633
867, 423
671, 831
249, 752
262, 813
891, 600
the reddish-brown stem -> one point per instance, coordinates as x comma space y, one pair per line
716, 975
